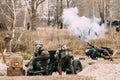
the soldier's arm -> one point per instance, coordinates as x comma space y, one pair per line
45, 53
36, 51
70, 54
57, 55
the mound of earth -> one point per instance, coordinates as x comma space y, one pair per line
102, 71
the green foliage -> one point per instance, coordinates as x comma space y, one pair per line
28, 51
25, 56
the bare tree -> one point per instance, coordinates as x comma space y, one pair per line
57, 13
68, 3
14, 21
10, 12
8, 9
23, 31
104, 9
32, 6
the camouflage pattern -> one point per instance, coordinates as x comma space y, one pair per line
64, 54
41, 53
63, 51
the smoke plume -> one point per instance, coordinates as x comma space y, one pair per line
83, 27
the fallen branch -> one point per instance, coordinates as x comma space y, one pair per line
18, 40
114, 57
3, 52
110, 57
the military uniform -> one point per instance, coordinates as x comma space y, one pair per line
63, 54
7, 41
41, 54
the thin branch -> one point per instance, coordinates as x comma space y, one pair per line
19, 38
39, 2
29, 11
9, 7
5, 14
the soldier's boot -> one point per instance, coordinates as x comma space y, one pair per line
60, 71
73, 71
46, 71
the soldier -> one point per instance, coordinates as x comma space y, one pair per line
40, 54
7, 41
63, 54
28, 26
95, 52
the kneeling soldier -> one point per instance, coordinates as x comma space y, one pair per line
40, 54
63, 54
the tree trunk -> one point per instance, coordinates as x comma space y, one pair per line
33, 22
33, 17
19, 38
101, 10
68, 4
57, 16
13, 27
61, 10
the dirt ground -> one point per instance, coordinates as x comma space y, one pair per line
101, 69
67, 77
92, 70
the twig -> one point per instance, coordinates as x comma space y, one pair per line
3, 52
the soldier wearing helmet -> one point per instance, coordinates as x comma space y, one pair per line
63, 54
7, 41
40, 54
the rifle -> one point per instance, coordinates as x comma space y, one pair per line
91, 45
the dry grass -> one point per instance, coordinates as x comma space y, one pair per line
51, 38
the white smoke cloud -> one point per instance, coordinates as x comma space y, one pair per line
83, 27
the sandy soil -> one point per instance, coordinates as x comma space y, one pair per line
92, 70
67, 77
101, 69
